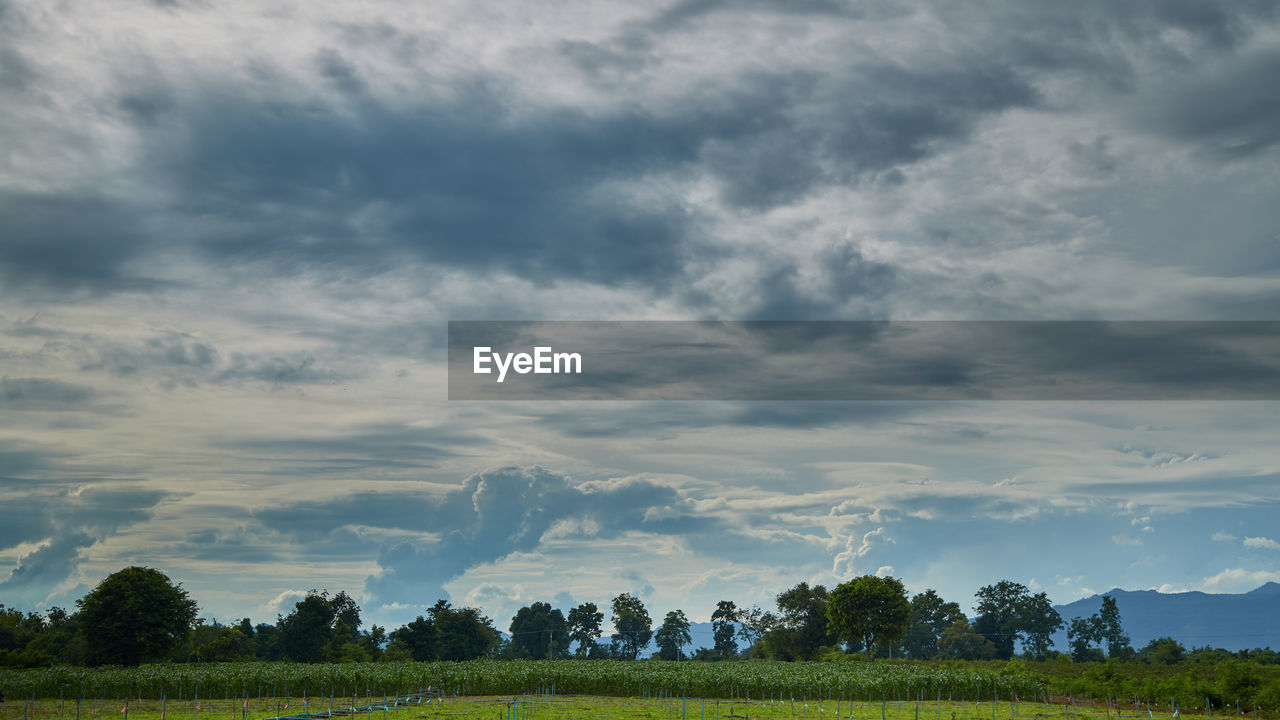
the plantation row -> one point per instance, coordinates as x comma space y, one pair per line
486, 677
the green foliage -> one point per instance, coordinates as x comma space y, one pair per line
930, 616
492, 677
800, 632
673, 635
1163, 651
1008, 612
869, 610
540, 631
463, 633
584, 627
135, 615
1102, 626
959, 641
632, 624
723, 629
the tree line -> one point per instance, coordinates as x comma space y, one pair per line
139, 615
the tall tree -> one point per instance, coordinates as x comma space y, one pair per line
754, 623
633, 628
960, 642
135, 615
930, 615
584, 627
1039, 621
673, 635
1082, 633
464, 633
1008, 612
1111, 630
723, 628
306, 633
870, 610
802, 626
999, 612
420, 638
540, 631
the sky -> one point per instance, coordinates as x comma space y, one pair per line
232, 234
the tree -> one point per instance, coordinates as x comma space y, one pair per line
753, 624
632, 624
723, 629
135, 615
1039, 621
1008, 612
1082, 633
801, 630
539, 631
870, 610
673, 635
961, 642
930, 615
1110, 629
584, 627
464, 633
419, 639
1163, 651
306, 633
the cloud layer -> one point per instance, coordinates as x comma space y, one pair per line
227, 261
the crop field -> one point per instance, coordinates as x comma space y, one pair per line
554, 690
546, 706
848, 681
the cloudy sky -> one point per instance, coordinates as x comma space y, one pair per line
232, 233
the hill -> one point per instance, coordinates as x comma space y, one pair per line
1195, 619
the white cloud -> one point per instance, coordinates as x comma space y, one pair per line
1223, 537
884, 571
1261, 542
844, 563
1125, 540
283, 603
1238, 580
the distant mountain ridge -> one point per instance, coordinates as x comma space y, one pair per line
1234, 621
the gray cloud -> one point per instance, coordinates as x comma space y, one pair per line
43, 394
492, 515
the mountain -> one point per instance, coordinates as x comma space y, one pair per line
1195, 619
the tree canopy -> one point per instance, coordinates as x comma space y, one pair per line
869, 610
133, 616
540, 631
633, 628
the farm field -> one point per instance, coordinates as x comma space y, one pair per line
524, 690
552, 707
650, 678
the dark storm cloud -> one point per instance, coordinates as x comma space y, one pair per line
471, 183
238, 546
1233, 111
181, 358
64, 523
783, 294
70, 240
43, 394
492, 515
379, 446
938, 360
461, 184
49, 564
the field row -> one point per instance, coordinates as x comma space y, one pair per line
872, 681
550, 707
